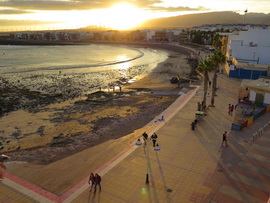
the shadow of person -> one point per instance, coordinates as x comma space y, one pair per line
152, 186
91, 197
166, 189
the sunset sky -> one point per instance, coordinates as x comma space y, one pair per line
62, 14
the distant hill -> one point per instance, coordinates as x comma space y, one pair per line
207, 18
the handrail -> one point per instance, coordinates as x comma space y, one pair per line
259, 133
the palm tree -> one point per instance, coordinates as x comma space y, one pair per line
205, 66
217, 59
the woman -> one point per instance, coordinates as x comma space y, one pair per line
92, 180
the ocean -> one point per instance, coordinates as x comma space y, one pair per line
83, 68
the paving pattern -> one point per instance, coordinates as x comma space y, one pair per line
190, 167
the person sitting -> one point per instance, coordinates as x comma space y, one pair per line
139, 142
157, 147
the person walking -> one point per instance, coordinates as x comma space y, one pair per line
229, 109
92, 181
224, 139
157, 147
154, 138
145, 138
97, 182
232, 109
193, 126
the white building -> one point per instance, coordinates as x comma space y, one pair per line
150, 35
251, 46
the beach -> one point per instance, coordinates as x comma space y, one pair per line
47, 132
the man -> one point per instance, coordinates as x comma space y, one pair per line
224, 139
145, 137
154, 139
97, 181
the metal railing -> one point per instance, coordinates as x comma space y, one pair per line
259, 133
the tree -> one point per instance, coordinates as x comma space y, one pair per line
217, 59
205, 66
217, 42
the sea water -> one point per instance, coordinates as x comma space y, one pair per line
42, 68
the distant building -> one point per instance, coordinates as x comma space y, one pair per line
252, 46
150, 35
249, 53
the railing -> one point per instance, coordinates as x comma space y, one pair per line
259, 133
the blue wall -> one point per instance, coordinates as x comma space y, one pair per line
247, 74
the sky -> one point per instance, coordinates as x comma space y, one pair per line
116, 14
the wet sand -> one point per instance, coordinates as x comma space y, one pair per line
49, 132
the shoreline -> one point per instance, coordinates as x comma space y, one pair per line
73, 127
166, 46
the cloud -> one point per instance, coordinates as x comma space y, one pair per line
176, 9
71, 4
14, 23
12, 11
40, 4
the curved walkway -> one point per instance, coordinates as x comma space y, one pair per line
39, 194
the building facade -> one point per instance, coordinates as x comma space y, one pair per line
251, 46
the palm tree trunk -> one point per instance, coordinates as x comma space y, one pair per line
214, 87
205, 89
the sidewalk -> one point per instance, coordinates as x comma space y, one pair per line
190, 166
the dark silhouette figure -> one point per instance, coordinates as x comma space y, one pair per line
91, 181
224, 139
193, 126
145, 137
229, 109
97, 182
154, 139
232, 109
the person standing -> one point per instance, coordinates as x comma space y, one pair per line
154, 139
224, 139
92, 181
97, 182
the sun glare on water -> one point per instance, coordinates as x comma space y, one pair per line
123, 16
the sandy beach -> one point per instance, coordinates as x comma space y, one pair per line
52, 131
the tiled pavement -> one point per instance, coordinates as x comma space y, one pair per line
9, 195
191, 166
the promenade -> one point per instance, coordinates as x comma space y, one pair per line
190, 167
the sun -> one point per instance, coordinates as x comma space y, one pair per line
124, 16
